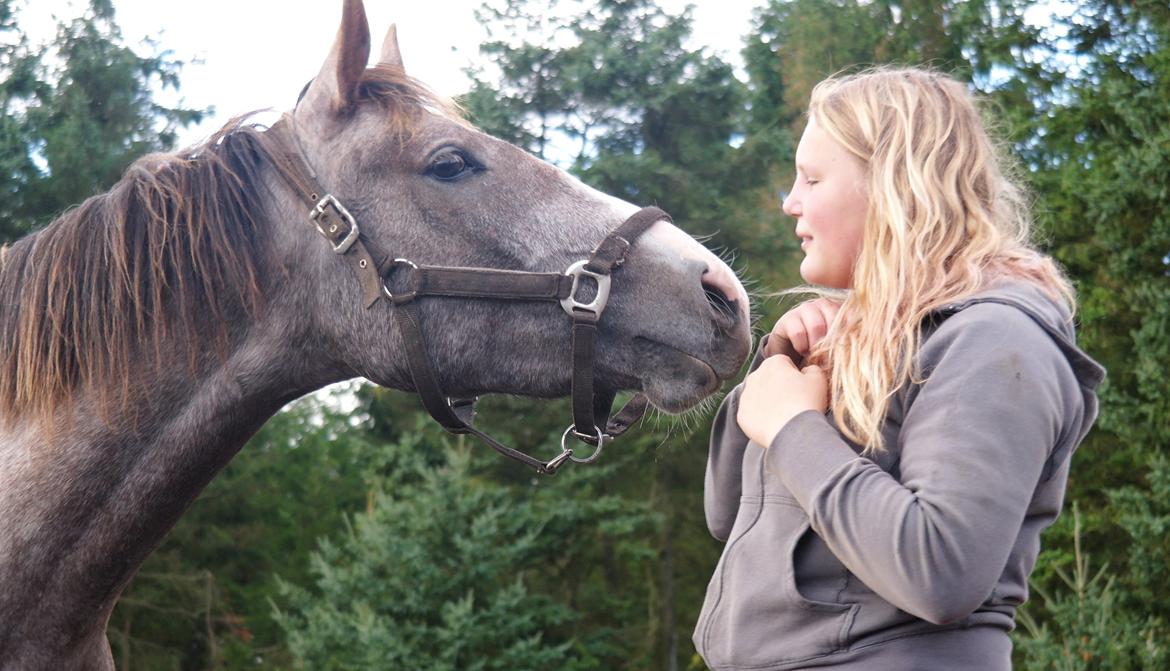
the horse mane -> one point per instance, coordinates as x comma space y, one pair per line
168, 252
170, 248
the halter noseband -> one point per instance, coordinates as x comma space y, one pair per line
375, 268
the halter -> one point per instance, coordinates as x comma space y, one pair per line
375, 269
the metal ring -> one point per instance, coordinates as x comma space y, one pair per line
385, 287
596, 452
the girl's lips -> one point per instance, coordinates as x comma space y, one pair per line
805, 242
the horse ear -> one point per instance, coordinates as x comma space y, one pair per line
390, 53
335, 88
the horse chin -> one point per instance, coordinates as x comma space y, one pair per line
674, 380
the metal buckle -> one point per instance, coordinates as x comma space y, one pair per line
316, 213
596, 451
570, 303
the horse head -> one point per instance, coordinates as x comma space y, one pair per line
428, 187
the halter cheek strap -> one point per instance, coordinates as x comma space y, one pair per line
378, 272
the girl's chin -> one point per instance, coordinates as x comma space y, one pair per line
812, 274
808, 271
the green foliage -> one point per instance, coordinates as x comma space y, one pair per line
18, 67
1100, 152
76, 114
449, 570
1143, 512
796, 43
1086, 626
1106, 164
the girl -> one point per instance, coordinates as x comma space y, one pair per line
898, 530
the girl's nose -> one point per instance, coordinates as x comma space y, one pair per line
791, 204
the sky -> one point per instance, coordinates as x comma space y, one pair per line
245, 55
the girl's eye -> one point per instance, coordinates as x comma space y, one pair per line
449, 165
810, 182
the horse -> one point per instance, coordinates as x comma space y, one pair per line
146, 334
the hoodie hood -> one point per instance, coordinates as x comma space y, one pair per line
1054, 317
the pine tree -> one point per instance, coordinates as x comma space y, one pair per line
450, 570
75, 120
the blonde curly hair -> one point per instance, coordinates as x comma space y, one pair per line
944, 220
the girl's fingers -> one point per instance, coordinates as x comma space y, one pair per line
815, 325
778, 343
828, 309
803, 327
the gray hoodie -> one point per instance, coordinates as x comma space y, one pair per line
918, 557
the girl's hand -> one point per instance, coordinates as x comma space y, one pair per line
776, 392
802, 327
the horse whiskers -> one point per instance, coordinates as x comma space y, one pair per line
683, 425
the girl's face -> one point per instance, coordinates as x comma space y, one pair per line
829, 202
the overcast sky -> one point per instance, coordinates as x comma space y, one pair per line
258, 53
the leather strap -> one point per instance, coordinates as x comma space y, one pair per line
588, 420
446, 413
331, 218
585, 422
487, 283
377, 270
612, 251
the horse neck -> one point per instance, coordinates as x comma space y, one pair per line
81, 509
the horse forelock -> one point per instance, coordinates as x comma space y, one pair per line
406, 99
98, 294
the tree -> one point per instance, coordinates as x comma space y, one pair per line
1086, 625
73, 122
19, 69
1099, 147
448, 570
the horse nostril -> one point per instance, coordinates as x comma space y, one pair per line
721, 298
719, 303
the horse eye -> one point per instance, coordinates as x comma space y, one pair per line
449, 165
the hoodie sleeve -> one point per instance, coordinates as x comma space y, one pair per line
997, 400
723, 482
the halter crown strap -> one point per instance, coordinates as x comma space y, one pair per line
330, 217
